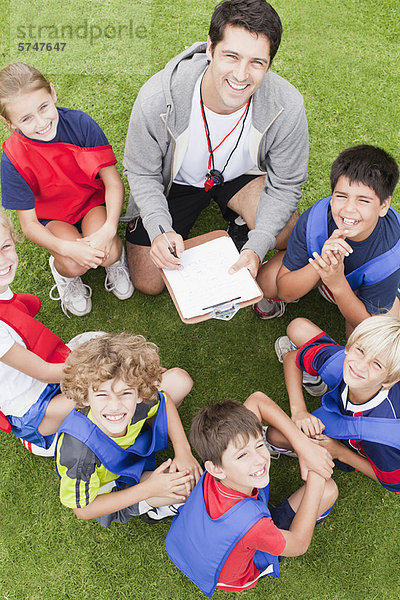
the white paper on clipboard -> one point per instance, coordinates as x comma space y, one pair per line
204, 281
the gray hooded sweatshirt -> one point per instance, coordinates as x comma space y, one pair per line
158, 136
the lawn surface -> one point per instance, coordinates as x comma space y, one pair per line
343, 57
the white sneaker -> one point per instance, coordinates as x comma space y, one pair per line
118, 280
38, 450
156, 514
73, 293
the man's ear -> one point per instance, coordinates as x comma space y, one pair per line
208, 50
214, 470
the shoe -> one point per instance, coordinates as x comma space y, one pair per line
73, 293
314, 385
118, 280
275, 451
239, 234
283, 345
38, 450
269, 308
156, 514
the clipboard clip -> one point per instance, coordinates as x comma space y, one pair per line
225, 311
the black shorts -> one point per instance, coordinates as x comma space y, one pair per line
185, 204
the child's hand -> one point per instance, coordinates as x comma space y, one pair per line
330, 269
336, 244
187, 462
308, 423
312, 459
333, 446
101, 239
84, 255
165, 482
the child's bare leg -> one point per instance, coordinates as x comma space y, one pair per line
59, 407
302, 330
176, 383
329, 496
256, 403
266, 277
65, 266
92, 222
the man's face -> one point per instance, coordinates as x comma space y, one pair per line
238, 64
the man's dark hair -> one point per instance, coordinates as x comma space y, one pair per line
257, 16
218, 424
369, 165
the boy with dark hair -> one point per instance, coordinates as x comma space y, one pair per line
226, 536
349, 242
360, 416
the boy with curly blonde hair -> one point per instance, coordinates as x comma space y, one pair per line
121, 419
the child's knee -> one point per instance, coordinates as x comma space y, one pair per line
177, 383
331, 492
69, 268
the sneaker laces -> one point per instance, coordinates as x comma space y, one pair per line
70, 290
113, 272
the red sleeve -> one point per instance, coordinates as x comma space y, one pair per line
264, 536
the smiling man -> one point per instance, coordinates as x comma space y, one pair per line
217, 124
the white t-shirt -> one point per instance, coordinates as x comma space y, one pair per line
18, 391
194, 168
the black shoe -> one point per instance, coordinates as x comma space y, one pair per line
239, 234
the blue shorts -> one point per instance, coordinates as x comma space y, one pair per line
27, 426
282, 515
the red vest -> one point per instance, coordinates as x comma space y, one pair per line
61, 176
18, 313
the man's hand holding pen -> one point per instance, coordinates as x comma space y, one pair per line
161, 253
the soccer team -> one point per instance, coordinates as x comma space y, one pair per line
215, 124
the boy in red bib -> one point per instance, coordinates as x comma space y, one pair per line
58, 171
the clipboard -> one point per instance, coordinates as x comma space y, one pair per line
224, 310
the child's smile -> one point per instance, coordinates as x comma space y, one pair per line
112, 406
35, 115
8, 259
356, 208
245, 466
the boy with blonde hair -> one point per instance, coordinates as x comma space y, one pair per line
362, 410
225, 536
109, 442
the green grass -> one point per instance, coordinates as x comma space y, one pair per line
343, 57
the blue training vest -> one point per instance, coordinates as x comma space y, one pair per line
128, 463
200, 545
375, 270
344, 427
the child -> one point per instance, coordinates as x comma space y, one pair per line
31, 359
108, 444
58, 171
363, 407
349, 241
225, 536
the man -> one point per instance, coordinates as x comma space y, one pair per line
216, 123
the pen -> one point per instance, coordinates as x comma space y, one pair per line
221, 303
170, 247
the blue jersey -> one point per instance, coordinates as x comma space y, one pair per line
74, 127
384, 459
377, 298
